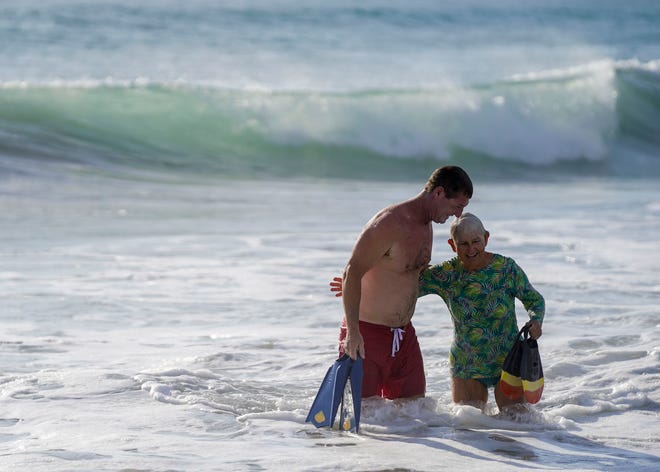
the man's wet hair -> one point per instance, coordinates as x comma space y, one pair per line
454, 180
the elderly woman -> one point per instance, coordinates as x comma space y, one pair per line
480, 289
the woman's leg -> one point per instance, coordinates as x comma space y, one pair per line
504, 403
469, 392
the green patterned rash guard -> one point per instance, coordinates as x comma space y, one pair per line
482, 308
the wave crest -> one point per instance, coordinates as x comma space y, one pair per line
551, 119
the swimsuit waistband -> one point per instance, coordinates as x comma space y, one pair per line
380, 326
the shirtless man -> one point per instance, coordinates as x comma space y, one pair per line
380, 285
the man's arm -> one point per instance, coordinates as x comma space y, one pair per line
370, 247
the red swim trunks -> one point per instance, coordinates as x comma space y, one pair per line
393, 365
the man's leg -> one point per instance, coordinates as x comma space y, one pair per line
376, 365
406, 377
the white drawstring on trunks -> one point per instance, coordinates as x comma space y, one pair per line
397, 337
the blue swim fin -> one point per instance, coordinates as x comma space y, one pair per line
349, 419
325, 406
331, 395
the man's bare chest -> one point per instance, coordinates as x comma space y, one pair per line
411, 253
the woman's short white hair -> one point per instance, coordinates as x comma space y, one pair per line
467, 223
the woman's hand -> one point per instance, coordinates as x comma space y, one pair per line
535, 330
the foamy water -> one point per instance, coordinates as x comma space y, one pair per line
152, 325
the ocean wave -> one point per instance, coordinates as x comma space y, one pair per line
638, 104
597, 118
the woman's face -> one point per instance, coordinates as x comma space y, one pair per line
471, 249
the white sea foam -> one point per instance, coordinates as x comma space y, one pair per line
141, 350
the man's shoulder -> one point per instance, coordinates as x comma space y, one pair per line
387, 219
382, 228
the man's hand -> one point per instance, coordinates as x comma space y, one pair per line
354, 345
336, 286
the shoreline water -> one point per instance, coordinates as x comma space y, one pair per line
184, 326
